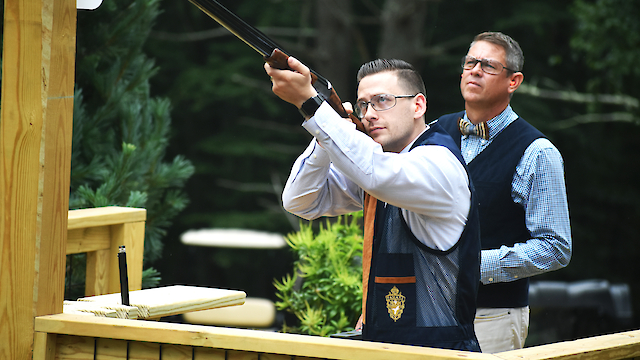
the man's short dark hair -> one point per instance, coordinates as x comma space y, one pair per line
408, 77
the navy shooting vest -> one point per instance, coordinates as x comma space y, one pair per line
417, 295
502, 222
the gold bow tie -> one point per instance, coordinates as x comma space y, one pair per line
467, 128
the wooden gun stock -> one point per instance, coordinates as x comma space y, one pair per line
278, 60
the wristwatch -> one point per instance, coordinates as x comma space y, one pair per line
310, 106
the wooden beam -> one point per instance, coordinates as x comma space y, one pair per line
127, 234
623, 345
20, 140
241, 339
56, 160
39, 35
108, 215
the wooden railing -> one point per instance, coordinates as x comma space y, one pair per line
99, 232
66, 337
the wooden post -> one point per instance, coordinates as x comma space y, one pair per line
35, 152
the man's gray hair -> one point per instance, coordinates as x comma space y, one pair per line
514, 55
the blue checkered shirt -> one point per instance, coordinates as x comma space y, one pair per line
538, 185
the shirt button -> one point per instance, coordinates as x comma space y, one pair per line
515, 276
315, 156
490, 279
317, 132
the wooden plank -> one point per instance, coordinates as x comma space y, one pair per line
44, 346
170, 300
22, 111
109, 215
144, 351
84, 348
55, 158
96, 279
176, 352
110, 349
624, 345
89, 239
241, 340
202, 353
131, 235
74, 348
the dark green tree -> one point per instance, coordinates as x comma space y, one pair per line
120, 131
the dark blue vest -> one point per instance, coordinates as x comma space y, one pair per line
418, 295
502, 222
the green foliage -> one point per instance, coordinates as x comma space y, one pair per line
239, 135
325, 290
608, 36
120, 131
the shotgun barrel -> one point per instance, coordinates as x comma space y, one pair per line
270, 51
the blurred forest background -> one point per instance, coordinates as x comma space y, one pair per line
209, 92
580, 89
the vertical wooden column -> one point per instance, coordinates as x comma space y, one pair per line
35, 148
56, 160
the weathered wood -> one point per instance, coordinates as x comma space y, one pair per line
88, 239
624, 345
169, 300
25, 71
97, 272
108, 215
225, 343
129, 235
44, 346
240, 339
55, 157
99, 232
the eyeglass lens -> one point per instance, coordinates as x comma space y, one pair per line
378, 102
487, 65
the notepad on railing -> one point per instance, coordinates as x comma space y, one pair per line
172, 300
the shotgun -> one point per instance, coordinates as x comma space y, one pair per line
271, 52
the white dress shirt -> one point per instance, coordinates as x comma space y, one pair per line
341, 163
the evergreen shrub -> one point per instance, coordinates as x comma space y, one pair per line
325, 290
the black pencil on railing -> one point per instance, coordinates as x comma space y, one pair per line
124, 280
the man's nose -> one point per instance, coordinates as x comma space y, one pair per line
477, 68
370, 113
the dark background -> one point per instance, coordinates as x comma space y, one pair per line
242, 139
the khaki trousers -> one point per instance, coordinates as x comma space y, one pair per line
501, 329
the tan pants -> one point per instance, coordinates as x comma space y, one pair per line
501, 329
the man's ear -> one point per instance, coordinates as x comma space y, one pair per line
515, 80
421, 106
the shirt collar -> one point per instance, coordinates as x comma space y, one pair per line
500, 122
408, 147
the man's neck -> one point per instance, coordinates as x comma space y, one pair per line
480, 115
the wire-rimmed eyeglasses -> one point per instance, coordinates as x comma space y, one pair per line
378, 102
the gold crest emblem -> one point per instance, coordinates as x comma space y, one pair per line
395, 303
